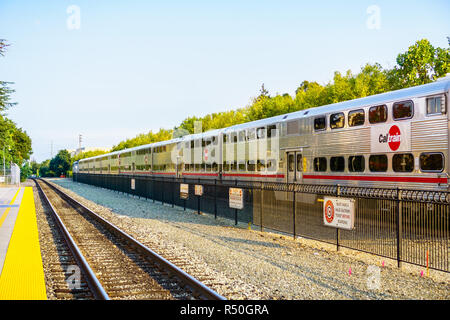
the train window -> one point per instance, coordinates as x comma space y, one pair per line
378, 114
241, 136
261, 165
299, 163
261, 133
291, 163
242, 166
337, 120
251, 133
271, 131
403, 162
436, 105
292, 127
234, 166
208, 167
251, 166
215, 166
356, 118
403, 110
378, 163
226, 166
337, 164
356, 164
215, 140
233, 137
271, 165
320, 164
431, 162
319, 123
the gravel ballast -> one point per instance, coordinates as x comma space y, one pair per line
249, 264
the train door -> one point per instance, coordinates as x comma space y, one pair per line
294, 166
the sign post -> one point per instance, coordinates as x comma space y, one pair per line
198, 193
184, 193
236, 200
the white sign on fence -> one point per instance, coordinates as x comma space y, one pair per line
236, 197
184, 191
133, 184
198, 190
339, 212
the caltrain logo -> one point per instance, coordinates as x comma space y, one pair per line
392, 138
329, 211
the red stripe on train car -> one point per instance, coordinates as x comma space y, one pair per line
378, 178
199, 174
249, 175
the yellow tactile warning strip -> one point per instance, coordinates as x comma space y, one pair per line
5, 214
22, 277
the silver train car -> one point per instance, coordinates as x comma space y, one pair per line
395, 139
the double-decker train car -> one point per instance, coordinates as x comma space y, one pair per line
395, 139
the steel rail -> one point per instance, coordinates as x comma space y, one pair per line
197, 287
91, 279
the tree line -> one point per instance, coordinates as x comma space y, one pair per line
422, 63
15, 144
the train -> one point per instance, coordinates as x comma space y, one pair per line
394, 139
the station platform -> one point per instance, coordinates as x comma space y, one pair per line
21, 268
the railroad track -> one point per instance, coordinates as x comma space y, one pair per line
112, 263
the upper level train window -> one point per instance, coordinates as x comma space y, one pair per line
403, 110
436, 105
337, 120
378, 163
356, 118
337, 164
403, 162
319, 123
241, 136
261, 133
320, 164
271, 131
378, 114
431, 162
356, 164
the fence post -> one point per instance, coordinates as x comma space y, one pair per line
173, 192
399, 227
338, 192
261, 206
215, 198
293, 211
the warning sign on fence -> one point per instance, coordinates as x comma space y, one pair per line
133, 184
339, 212
198, 190
184, 191
236, 196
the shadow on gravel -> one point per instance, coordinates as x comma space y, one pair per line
251, 242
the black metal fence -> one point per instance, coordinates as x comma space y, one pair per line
407, 225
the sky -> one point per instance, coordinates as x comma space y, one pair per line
110, 70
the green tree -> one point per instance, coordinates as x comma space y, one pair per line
421, 64
61, 163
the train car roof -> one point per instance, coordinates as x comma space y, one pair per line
439, 86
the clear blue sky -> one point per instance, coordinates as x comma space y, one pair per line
135, 66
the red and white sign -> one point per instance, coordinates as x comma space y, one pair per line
390, 138
339, 213
205, 152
